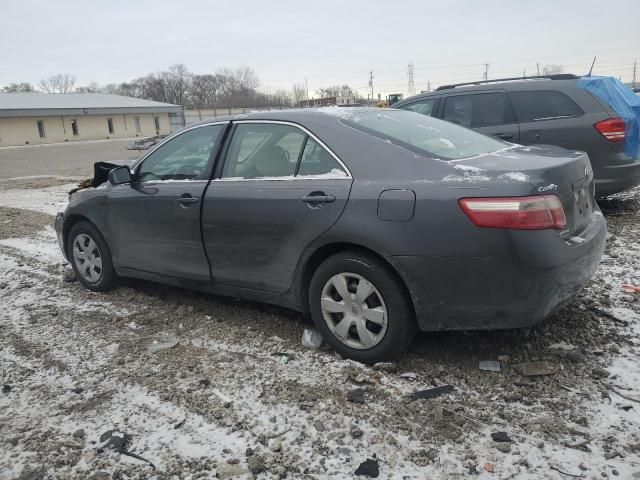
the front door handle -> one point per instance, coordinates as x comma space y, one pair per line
315, 198
187, 199
504, 136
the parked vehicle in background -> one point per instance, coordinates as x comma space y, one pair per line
376, 222
554, 110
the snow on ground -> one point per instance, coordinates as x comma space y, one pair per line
75, 359
47, 200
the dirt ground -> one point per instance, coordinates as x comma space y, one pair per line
183, 385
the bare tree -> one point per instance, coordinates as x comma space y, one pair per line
176, 83
552, 69
93, 87
18, 87
335, 91
205, 91
298, 92
58, 83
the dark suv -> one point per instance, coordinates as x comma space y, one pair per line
545, 110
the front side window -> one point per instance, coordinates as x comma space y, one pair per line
425, 107
184, 157
479, 110
263, 150
424, 135
543, 105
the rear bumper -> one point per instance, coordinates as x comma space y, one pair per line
530, 275
617, 175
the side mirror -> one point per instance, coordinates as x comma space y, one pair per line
119, 175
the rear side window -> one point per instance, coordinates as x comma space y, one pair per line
425, 107
317, 161
479, 110
543, 105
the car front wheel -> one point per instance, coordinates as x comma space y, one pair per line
90, 257
361, 308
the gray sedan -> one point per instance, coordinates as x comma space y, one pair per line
375, 222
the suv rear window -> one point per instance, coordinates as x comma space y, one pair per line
543, 105
478, 110
424, 135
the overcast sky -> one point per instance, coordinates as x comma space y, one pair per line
329, 42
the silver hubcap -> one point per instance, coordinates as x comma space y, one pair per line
354, 310
87, 258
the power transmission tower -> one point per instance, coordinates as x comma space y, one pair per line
486, 71
428, 85
371, 84
411, 87
538, 67
633, 82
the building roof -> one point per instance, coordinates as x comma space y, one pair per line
47, 104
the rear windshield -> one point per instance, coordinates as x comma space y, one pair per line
424, 135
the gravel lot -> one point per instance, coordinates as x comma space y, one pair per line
237, 396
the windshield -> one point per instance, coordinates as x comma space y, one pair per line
424, 135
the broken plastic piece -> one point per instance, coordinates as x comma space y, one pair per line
432, 392
490, 365
157, 346
311, 339
627, 287
221, 396
500, 437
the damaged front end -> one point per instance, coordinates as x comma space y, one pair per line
100, 177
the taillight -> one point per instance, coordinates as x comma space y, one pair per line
517, 213
613, 129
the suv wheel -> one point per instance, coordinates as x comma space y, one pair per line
361, 308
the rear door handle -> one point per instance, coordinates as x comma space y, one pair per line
187, 199
318, 197
504, 136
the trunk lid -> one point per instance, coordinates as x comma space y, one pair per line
540, 170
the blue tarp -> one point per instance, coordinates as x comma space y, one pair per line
623, 101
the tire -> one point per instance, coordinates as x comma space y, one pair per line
342, 323
92, 259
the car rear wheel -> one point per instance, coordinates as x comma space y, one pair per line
361, 308
90, 257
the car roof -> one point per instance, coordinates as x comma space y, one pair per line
513, 85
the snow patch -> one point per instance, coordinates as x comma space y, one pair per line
515, 176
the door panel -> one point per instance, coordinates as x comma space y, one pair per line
155, 221
157, 228
550, 117
256, 230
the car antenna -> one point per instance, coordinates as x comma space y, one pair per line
592, 64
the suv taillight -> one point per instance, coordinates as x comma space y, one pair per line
517, 213
613, 129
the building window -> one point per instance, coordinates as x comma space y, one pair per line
136, 120
156, 119
41, 128
110, 125
74, 127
